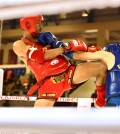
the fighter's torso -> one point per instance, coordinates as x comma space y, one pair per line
113, 77
47, 68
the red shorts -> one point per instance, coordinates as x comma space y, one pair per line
55, 86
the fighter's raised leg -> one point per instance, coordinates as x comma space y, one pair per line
87, 70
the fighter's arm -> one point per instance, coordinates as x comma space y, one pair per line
104, 56
52, 53
24, 52
80, 55
46, 38
20, 50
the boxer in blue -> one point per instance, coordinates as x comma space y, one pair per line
113, 76
111, 56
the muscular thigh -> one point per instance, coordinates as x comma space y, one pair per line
85, 71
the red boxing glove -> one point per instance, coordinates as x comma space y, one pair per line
93, 48
76, 45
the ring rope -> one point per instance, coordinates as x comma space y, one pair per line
32, 98
81, 102
18, 9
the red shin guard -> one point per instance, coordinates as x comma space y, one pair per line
100, 102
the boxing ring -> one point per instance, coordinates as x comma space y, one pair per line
57, 120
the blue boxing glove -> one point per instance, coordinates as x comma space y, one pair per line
47, 38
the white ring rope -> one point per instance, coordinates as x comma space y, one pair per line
59, 121
81, 102
32, 98
15, 9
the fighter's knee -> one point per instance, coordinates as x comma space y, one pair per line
103, 67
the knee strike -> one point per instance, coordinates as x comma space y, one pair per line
103, 68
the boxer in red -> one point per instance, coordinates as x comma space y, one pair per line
53, 72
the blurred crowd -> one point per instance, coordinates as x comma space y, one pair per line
17, 81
